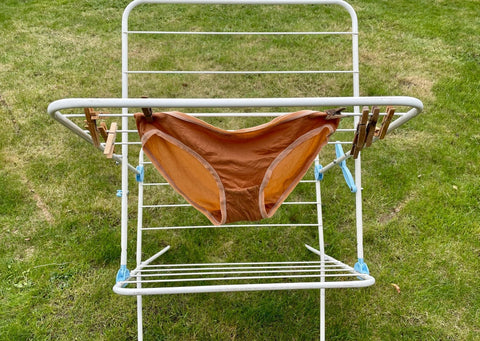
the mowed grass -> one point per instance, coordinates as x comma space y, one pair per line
59, 216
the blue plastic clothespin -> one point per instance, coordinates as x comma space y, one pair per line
343, 165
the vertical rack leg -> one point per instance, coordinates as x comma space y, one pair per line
124, 217
356, 109
124, 244
322, 314
139, 249
359, 207
139, 318
123, 273
322, 254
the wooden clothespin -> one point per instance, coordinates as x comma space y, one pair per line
91, 117
103, 130
354, 151
360, 134
386, 122
148, 114
334, 113
362, 128
110, 144
372, 123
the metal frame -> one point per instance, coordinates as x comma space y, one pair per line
153, 279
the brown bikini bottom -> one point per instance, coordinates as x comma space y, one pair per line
236, 175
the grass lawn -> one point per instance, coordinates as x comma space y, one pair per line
59, 216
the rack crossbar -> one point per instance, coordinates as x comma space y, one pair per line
244, 32
225, 226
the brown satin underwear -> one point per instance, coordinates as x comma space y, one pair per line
236, 175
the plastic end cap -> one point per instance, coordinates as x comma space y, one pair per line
123, 274
361, 267
141, 173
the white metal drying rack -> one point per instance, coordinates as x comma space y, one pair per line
154, 279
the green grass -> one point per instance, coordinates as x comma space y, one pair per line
59, 216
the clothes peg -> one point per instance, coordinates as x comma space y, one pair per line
148, 114
332, 113
354, 151
103, 130
372, 122
386, 122
91, 117
362, 128
360, 134
110, 145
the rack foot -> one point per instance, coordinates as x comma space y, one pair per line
123, 274
361, 267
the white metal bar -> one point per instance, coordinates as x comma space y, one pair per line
71, 103
238, 72
359, 206
189, 205
358, 164
139, 315
167, 184
321, 243
242, 287
243, 33
329, 258
168, 269
240, 277
225, 114
238, 2
238, 264
128, 143
138, 143
225, 226
139, 214
124, 209
188, 268
124, 214
139, 251
342, 3
166, 205
155, 256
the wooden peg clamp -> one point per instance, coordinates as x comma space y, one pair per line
360, 134
362, 128
103, 130
354, 151
148, 114
334, 113
110, 144
371, 126
386, 122
91, 117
